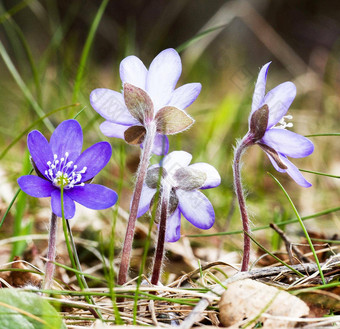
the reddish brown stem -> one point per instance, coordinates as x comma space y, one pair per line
141, 174
51, 252
241, 200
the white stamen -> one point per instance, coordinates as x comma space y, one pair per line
61, 173
282, 124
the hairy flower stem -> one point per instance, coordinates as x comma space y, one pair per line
141, 174
51, 253
246, 142
158, 261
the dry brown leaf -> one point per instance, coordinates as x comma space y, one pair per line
245, 300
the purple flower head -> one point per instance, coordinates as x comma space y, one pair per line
267, 127
60, 163
183, 181
148, 96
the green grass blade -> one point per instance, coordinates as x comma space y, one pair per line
4, 152
264, 227
86, 49
20, 82
320, 135
275, 257
303, 228
15, 9
319, 173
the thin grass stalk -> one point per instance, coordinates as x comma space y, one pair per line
141, 174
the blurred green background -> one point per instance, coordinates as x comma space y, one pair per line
54, 53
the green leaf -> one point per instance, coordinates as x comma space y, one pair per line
27, 311
138, 103
171, 120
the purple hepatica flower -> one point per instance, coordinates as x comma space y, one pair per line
152, 91
183, 181
61, 163
267, 127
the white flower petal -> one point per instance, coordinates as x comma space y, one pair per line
173, 227
145, 199
278, 100
164, 72
111, 106
213, 177
176, 160
110, 129
185, 95
196, 208
133, 71
260, 89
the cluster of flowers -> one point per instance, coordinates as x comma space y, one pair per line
149, 108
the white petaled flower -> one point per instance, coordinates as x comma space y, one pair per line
184, 182
149, 95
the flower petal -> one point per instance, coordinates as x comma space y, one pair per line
111, 129
133, 71
196, 208
288, 143
68, 137
260, 89
278, 100
94, 159
39, 149
145, 199
176, 160
291, 170
274, 163
161, 145
69, 206
185, 95
295, 173
93, 196
173, 226
213, 177
36, 186
111, 106
163, 75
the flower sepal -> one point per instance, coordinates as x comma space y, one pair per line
171, 120
259, 123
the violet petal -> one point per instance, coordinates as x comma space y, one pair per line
185, 95
163, 75
40, 150
93, 196
196, 208
145, 199
278, 100
69, 206
94, 159
161, 145
274, 163
173, 226
67, 137
36, 186
295, 173
288, 143
213, 177
111, 106
133, 71
260, 89
111, 129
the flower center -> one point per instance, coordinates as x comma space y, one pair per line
63, 173
282, 124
